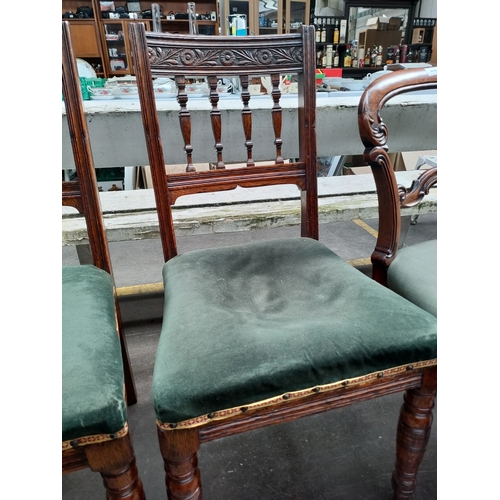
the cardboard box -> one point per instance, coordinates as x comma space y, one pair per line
412, 158
357, 170
418, 35
377, 23
395, 23
144, 180
354, 164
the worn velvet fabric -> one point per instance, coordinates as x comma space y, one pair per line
246, 323
413, 274
92, 372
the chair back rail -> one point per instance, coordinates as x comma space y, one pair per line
183, 57
83, 194
374, 134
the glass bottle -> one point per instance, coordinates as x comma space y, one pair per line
193, 27
329, 56
368, 57
361, 57
378, 57
410, 56
336, 32
336, 58
319, 58
347, 57
373, 56
354, 61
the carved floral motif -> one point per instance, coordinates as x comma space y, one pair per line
227, 57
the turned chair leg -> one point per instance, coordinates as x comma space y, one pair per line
115, 461
414, 428
182, 475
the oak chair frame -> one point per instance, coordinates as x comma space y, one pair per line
157, 55
374, 134
113, 458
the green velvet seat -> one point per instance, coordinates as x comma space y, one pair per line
413, 274
93, 400
247, 323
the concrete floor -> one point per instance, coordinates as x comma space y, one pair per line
346, 454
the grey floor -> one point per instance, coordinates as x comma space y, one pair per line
345, 454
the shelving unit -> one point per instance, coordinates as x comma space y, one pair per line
266, 18
423, 39
104, 42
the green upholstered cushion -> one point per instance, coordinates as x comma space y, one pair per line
92, 372
413, 274
247, 323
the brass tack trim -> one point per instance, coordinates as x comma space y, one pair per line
211, 415
227, 413
93, 439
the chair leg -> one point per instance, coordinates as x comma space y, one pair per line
414, 428
182, 476
115, 461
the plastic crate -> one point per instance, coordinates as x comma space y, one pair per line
90, 82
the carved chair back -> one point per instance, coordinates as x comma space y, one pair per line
259, 334
187, 58
374, 134
83, 193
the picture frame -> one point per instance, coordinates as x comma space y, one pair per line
107, 6
134, 6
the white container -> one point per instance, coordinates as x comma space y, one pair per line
329, 55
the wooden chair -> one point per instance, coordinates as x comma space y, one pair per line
96, 369
409, 271
269, 331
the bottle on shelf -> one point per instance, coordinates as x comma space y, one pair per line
403, 53
410, 56
354, 60
390, 55
336, 57
361, 57
336, 31
378, 57
318, 33
329, 55
323, 34
319, 58
373, 56
423, 54
347, 57
323, 58
368, 58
